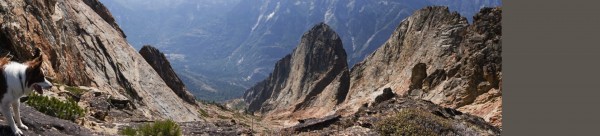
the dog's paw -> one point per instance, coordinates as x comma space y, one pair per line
23, 126
18, 132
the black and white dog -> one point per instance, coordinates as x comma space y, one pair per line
17, 80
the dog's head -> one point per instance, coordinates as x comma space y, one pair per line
34, 76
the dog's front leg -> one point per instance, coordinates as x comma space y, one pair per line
17, 114
9, 118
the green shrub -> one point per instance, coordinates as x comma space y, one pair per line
129, 131
68, 110
158, 128
75, 90
413, 122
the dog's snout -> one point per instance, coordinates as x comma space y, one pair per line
47, 84
48, 87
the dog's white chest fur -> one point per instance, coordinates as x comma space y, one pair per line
15, 81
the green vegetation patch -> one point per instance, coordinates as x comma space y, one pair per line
413, 122
68, 110
203, 113
75, 90
158, 128
238, 115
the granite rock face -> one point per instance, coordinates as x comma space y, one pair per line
436, 55
159, 62
307, 83
103, 12
83, 46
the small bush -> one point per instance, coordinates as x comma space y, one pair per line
75, 90
413, 122
158, 128
68, 110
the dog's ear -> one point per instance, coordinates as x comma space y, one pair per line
36, 63
37, 54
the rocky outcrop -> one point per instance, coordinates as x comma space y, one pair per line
159, 62
436, 55
83, 46
414, 117
314, 123
307, 83
386, 95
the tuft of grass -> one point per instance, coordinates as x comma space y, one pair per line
158, 128
245, 125
413, 122
75, 90
222, 117
203, 113
68, 110
129, 131
238, 116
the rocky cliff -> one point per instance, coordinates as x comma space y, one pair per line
83, 46
162, 66
309, 82
436, 55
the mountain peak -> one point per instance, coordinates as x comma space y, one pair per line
323, 32
322, 36
322, 26
310, 81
